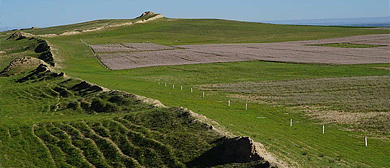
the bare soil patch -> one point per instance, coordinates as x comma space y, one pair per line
148, 54
159, 58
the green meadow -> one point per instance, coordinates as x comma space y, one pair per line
302, 145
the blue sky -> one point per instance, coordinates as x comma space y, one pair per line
43, 13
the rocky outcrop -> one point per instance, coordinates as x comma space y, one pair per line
230, 150
238, 149
21, 64
43, 47
16, 36
147, 13
42, 72
45, 52
153, 102
86, 87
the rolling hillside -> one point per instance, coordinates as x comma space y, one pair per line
46, 115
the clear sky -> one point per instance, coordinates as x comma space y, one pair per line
43, 13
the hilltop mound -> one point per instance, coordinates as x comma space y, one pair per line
91, 26
147, 13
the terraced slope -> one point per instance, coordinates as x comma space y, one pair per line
117, 142
49, 120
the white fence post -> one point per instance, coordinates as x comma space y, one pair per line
181, 87
165, 84
323, 129
173, 86
203, 94
291, 122
191, 90
228, 102
365, 141
246, 106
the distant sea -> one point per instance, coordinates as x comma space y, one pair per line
356, 22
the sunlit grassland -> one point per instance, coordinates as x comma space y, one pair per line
301, 145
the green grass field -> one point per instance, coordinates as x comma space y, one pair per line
52, 121
302, 145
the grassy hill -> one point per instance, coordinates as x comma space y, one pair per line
49, 120
205, 31
302, 145
79, 27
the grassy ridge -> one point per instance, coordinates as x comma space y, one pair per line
79, 27
51, 121
13, 49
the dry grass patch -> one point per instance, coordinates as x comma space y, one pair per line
363, 103
348, 94
384, 68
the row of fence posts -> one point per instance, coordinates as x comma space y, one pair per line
246, 108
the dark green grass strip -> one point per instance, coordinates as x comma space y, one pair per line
58, 155
347, 45
128, 148
74, 155
109, 150
88, 146
164, 151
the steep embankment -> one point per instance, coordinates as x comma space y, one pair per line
29, 52
39, 46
